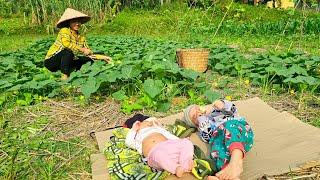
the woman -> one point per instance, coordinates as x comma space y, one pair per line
229, 135
70, 50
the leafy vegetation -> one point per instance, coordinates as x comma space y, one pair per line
141, 67
290, 70
144, 73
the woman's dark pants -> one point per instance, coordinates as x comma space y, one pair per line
65, 62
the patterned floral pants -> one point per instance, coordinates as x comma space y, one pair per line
233, 134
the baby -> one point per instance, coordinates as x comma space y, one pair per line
162, 149
228, 134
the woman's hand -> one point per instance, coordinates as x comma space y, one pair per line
107, 59
101, 57
86, 51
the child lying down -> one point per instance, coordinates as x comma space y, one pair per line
229, 135
163, 150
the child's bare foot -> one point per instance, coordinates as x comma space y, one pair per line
179, 171
232, 171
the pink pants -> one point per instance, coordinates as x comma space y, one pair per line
170, 154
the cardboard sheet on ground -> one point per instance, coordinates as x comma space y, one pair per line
282, 142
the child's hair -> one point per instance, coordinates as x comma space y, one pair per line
137, 117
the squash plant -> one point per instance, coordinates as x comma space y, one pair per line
144, 73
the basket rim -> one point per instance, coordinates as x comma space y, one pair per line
193, 49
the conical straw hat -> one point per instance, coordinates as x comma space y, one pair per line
72, 14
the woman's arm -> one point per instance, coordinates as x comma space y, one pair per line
86, 46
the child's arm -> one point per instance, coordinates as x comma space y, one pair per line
167, 134
230, 108
227, 107
207, 109
218, 104
130, 139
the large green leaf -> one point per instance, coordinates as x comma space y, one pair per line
129, 72
298, 70
119, 95
153, 87
283, 71
54, 93
96, 68
85, 68
271, 69
109, 76
190, 74
31, 84
157, 67
212, 95
172, 67
5, 84
78, 82
308, 80
275, 59
89, 87
219, 66
291, 80
163, 106
43, 84
16, 87
263, 62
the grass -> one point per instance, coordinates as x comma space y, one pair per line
29, 143
183, 24
316, 122
15, 42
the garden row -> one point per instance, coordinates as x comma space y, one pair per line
144, 73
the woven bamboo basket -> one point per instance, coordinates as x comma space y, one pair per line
195, 59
